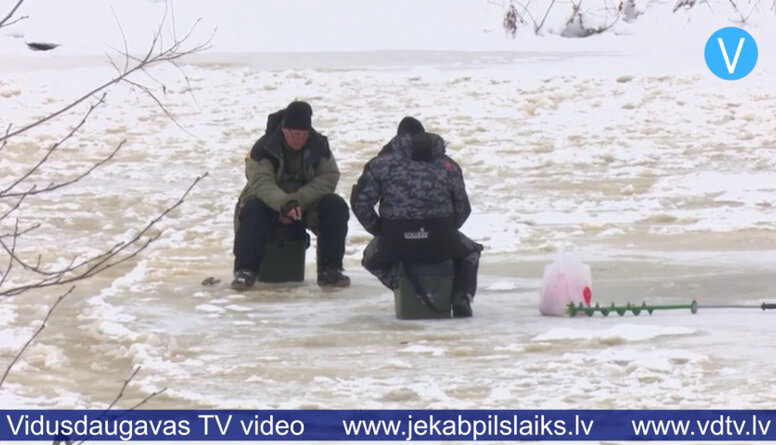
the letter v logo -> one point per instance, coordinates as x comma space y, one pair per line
730, 66
728, 42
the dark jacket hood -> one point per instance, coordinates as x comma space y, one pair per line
402, 144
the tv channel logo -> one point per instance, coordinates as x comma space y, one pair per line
731, 53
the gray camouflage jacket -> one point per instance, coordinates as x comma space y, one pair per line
409, 189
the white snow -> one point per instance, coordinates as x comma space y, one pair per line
623, 144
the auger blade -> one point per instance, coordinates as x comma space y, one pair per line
574, 310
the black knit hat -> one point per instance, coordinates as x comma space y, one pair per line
410, 125
298, 116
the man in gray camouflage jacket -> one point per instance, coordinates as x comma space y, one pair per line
420, 190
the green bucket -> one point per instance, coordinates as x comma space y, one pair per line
283, 261
436, 278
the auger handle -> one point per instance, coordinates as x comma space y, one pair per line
765, 306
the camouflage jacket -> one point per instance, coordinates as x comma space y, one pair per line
409, 189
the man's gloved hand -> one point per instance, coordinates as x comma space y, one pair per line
291, 210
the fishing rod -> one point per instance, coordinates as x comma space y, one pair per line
580, 309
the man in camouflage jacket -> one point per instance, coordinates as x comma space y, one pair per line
415, 181
291, 177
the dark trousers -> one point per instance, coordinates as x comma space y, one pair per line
465, 267
258, 223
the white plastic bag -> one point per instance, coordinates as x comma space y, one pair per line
566, 280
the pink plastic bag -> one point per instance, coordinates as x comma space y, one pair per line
565, 280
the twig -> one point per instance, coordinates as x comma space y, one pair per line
102, 262
123, 39
159, 103
4, 22
149, 226
165, 55
10, 252
527, 12
14, 207
121, 392
5, 139
538, 27
21, 233
4, 193
96, 165
149, 397
40, 329
174, 31
735, 8
17, 20
30, 267
188, 84
119, 396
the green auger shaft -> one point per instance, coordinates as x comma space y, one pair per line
573, 311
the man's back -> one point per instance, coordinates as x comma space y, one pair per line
422, 204
414, 179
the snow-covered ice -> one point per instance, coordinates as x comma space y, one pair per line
623, 144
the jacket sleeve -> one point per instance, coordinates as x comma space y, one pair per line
365, 194
261, 183
324, 182
461, 207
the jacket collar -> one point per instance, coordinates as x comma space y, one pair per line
312, 152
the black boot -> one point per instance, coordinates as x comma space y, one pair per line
462, 306
243, 280
333, 278
333, 217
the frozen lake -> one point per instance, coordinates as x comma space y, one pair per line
662, 177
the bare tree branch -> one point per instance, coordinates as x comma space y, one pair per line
514, 18
52, 187
35, 268
120, 395
174, 30
5, 139
5, 193
145, 400
40, 329
11, 251
124, 387
159, 103
188, 82
100, 263
21, 232
539, 26
16, 20
174, 52
14, 195
742, 20
5, 21
15, 206
123, 39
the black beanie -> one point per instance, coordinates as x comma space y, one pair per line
410, 125
298, 116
